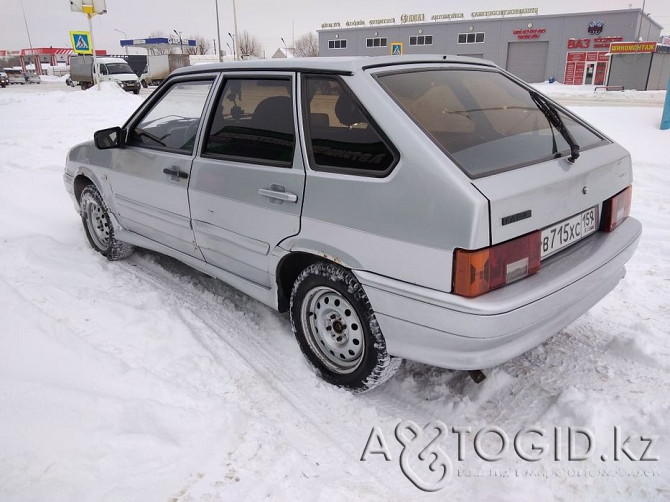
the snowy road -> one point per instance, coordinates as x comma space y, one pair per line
145, 380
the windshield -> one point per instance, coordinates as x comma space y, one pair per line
483, 120
118, 68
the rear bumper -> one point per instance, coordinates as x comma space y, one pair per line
449, 331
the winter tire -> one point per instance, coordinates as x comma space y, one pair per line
337, 330
98, 226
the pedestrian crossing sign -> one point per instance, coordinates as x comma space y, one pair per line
396, 48
81, 42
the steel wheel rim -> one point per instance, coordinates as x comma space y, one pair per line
98, 223
333, 329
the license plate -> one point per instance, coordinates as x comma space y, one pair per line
567, 232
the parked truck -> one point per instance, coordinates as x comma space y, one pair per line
160, 66
111, 69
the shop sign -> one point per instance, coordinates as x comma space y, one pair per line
388, 20
576, 56
604, 42
579, 43
412, 18
632, 47
353, 24
596, 43
596, 27
439, 17
509, 12
529, 33
330, 25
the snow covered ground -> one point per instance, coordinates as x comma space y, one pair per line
144, 380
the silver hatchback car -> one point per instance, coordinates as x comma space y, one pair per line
433, 208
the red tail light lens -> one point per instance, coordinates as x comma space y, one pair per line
477, 272
616, 209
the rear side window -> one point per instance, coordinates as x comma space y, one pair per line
483, 120
172, 122
253, 122
341, 137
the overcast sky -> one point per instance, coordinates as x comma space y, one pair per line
49, 21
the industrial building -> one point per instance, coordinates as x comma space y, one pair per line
571, 48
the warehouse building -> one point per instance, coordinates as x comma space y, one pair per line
572, 48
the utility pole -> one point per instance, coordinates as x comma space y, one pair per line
218, 30
236, 46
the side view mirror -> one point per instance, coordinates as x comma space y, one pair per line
108, 138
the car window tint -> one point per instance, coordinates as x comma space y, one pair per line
485, 121
172, 122
253, 121
340, 133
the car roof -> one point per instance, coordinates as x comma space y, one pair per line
337, 65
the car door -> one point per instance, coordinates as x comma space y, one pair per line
150, 175
247, 185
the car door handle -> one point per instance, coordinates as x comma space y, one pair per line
175, 172
278, 192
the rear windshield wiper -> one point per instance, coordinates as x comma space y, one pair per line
555, 119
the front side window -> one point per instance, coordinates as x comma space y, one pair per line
172, 122
341, 136
484, 121
253, 122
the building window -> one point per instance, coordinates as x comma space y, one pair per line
421, 40
471, 38
376, 42
337, 44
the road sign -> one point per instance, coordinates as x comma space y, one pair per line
89, 6
396, 48
81, 42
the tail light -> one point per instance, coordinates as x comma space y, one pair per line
616, 209
477, 272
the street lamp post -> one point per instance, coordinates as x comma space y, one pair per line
232, 37
181, 42
218, 30
236, 47
125, 36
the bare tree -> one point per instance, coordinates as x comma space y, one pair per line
200, 46
158, 49
249, 45
307, 46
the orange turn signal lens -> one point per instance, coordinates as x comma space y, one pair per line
478, 272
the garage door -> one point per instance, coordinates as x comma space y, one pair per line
629, 70
528, 60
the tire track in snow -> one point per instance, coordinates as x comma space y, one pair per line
221, 331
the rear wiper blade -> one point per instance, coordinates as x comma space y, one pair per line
555, 119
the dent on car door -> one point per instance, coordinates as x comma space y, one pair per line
247, 185
150, 175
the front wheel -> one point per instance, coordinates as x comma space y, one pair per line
337, 330
98, 226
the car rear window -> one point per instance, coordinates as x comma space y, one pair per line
483, 120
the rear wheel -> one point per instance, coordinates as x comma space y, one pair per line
337, 330
98, 226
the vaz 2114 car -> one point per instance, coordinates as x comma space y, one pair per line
433, 208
